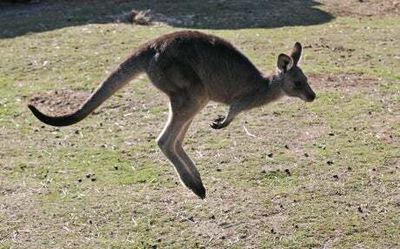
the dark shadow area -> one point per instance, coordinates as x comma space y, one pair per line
38, 16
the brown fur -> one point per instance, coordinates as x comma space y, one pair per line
193, 68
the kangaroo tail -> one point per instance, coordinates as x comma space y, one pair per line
125, 72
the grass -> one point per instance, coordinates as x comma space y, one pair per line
318, 175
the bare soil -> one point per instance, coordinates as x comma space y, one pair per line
59, 102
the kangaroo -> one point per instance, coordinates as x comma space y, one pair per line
193, 68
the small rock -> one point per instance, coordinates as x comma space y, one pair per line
116, 167
286, 146
329, 162
270, 155
306, 155
331, 134
336, 177
349, 168
287, 171
360, 209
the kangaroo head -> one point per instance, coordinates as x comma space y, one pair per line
294, 82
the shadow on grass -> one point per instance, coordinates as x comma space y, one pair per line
45, 15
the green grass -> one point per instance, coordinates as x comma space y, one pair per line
315, 175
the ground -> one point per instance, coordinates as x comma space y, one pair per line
287, 175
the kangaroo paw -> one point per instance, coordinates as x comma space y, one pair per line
218, 123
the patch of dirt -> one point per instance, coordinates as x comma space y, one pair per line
362, 7
18, 206
349, 83
59, 102
224, 226
382, 127
324, 44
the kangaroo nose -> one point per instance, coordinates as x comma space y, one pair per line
311, 97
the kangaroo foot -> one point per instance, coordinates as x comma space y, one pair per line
197, 188
192, 182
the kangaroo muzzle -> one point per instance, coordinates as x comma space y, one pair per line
310, 97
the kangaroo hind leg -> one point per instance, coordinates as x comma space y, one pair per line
182, 110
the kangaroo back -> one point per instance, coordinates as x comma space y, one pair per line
124, 73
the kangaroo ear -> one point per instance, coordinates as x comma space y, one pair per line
296, 53
285, 63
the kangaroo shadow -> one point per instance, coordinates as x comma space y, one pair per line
21, 19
